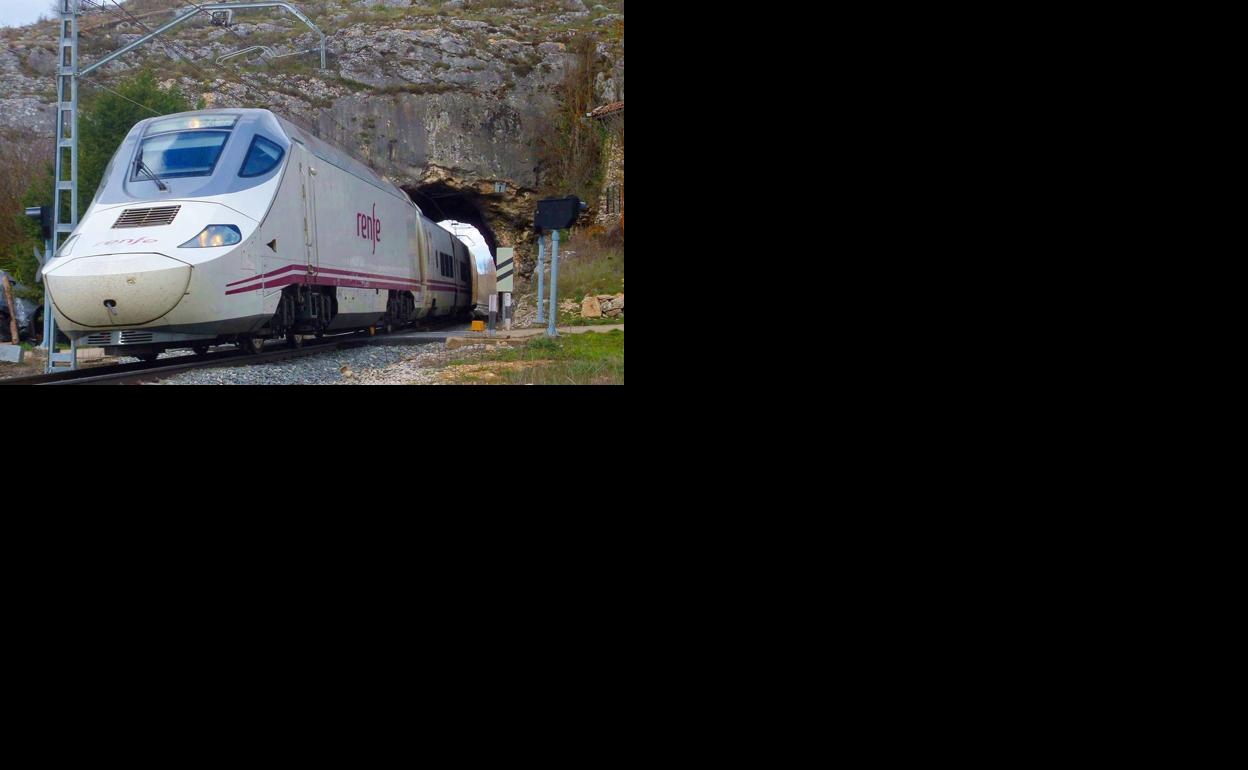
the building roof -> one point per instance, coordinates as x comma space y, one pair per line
605, 110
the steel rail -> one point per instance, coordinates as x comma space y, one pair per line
150, 371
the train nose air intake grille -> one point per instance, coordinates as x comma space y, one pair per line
153, 217
134, 338
102, 338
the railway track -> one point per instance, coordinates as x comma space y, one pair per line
154, 371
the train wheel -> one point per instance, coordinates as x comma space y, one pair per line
251, 345
200, 350
294, 340
147, 358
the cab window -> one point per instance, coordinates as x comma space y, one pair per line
186, 153
262, 158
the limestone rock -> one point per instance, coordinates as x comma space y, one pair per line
430, 100
590, 308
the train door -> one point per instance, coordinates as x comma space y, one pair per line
307, 179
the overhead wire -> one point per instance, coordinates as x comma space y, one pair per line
232, 75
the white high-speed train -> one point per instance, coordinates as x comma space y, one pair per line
235, 226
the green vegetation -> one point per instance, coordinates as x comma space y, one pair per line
595, 266
572, 359
570, 148
26, 181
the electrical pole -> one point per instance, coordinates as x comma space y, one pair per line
66, 144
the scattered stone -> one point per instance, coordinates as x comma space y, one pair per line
590, 308
11, 353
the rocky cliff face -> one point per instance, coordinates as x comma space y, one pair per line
445, 99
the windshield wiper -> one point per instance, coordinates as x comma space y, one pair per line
139, 165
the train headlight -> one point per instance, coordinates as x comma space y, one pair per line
214, 235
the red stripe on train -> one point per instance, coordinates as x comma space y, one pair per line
329, 270
325, 281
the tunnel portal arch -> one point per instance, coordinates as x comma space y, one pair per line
440, 201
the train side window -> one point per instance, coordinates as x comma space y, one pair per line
262, 158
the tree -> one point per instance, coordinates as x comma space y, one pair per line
105, 120
26, 181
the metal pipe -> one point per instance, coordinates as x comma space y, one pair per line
541, 295
554, 283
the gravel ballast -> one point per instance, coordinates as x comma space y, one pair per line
372, 365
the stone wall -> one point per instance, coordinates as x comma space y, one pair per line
596, 306
613, 184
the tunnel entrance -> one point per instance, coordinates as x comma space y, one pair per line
440, 201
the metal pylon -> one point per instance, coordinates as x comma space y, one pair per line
66, 140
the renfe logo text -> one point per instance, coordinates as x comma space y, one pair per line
369, 226
126, 242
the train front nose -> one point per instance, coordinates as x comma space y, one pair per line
118, 289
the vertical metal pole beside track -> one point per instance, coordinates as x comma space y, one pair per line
554, 283
66, 139
541, 294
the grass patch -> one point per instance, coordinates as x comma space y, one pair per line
594, 267
572, 359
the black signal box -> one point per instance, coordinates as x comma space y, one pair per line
45, 217
558, 213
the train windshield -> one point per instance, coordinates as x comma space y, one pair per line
185, 153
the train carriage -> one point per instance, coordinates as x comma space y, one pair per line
235, 225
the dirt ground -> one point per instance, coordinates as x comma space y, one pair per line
35, 360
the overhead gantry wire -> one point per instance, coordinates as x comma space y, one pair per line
100, 6
255, 93
232, 75
238, 77
94, 84
169, 43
